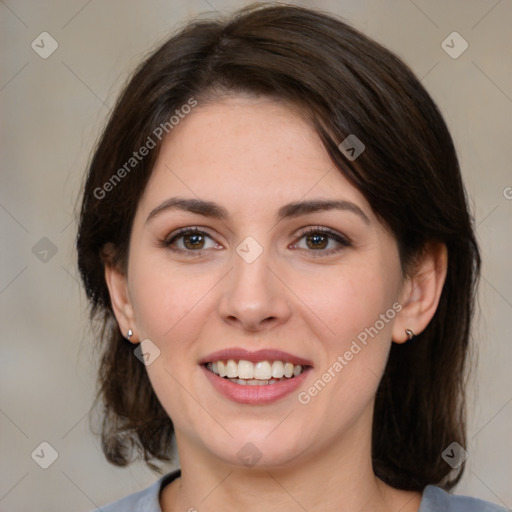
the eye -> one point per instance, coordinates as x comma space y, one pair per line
190, 240
321, 240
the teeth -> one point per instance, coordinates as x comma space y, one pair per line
277, 369
256, 374
245, 370
262, 370
288, 370
221, 368
255, 382
231, 369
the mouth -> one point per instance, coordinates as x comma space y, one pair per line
259, 373
255, 377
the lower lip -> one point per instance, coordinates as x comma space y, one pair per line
254, 395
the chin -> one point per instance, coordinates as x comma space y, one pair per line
258, 451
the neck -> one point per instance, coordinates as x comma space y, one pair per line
338, 478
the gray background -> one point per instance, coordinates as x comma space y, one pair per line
51, 113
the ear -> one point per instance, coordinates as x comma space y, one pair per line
117, 284
421, 292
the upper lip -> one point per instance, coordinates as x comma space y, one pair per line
238, 354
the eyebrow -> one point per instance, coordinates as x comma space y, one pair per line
291, 210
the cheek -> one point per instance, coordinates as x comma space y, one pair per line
359, 310
354, 318
170, 308
347, 379
350, 306
166, 299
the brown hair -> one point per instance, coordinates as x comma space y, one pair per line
409, 173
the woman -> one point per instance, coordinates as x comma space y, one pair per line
275, 219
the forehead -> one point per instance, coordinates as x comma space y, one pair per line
246, 150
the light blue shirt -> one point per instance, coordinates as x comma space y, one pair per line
434, 500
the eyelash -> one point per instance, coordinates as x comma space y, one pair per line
343, 241
168, 241
332, 235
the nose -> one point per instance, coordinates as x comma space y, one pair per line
254, 297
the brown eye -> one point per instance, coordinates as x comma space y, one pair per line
194, 241
317, 241
321, 241
189, 240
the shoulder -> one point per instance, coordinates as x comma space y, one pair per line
437, 500
146, 500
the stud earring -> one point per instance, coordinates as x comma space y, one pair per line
410, 334
129, 334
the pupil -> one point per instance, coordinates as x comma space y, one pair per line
193, 241
317, 241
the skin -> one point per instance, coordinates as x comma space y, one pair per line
252, 156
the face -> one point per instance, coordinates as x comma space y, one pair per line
271, 257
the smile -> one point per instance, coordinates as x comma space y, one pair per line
260, 373
255, 377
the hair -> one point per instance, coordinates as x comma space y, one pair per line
344, 83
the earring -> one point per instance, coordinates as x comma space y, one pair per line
129, 334
410, 334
